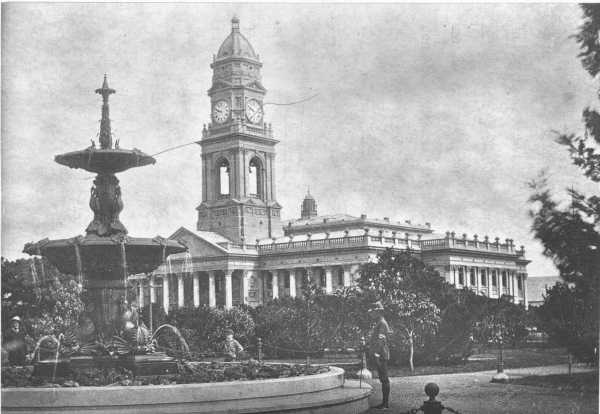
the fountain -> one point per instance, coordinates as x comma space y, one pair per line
105, 257
102, 261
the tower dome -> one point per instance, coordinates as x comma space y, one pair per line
236, 45
309, 206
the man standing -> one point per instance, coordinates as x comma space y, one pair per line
380, 350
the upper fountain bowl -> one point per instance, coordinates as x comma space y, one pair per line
105, 161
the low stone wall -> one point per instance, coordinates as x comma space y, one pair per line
325, 392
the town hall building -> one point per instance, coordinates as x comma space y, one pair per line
242, 253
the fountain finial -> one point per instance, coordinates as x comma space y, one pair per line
105, 134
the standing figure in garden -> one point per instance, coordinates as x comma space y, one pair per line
231, 348
380, 351
14, 342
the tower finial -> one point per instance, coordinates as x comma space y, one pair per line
235, 24
105, 133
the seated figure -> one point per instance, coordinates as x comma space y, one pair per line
14, 342
231, 348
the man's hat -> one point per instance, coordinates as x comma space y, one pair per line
15, 318
228, 332
377, 306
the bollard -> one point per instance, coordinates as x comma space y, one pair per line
259, 347
432, 406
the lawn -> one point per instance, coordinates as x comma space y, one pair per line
487, 360
582, 382
481, 361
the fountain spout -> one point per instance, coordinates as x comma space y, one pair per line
105, 133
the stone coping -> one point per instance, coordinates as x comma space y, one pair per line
37, 398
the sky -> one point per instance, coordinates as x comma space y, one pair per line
429, 113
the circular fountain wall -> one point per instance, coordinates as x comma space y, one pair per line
325, 392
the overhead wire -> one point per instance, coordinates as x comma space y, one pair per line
196, 141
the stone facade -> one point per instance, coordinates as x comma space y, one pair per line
242, 253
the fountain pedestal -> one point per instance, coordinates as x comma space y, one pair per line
106, 303
103, 259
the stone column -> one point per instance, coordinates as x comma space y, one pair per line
228, 290
328, 281
152, 289
514, 287
347, 276
141, 294
524, 282
488, 281
212, 295
196, 289
246, 275
166, 293
511, 287
293, 283
180, 294
275, 284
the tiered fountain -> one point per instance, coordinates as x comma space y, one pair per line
102, 260
106, 255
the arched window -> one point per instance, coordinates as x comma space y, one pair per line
254, 178
223, 178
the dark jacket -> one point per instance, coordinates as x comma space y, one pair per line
380, 338
14, 343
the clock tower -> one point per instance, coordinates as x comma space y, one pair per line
238, 149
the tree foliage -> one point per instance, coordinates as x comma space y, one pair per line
571, 234
47, 301
405, 286
564, 316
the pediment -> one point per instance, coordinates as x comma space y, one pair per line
197, 245
275, 205
256, 85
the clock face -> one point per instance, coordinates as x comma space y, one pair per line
221, 112
254, 111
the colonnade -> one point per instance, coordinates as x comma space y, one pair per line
238, 286
492, 282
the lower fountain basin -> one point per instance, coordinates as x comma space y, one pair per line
320, 393
104, 255
157, 363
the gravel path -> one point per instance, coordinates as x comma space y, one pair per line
472, 393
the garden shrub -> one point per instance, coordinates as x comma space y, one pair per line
203, 327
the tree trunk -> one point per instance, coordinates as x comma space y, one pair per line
411, 353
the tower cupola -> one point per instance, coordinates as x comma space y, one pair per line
236, 45
309, 206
